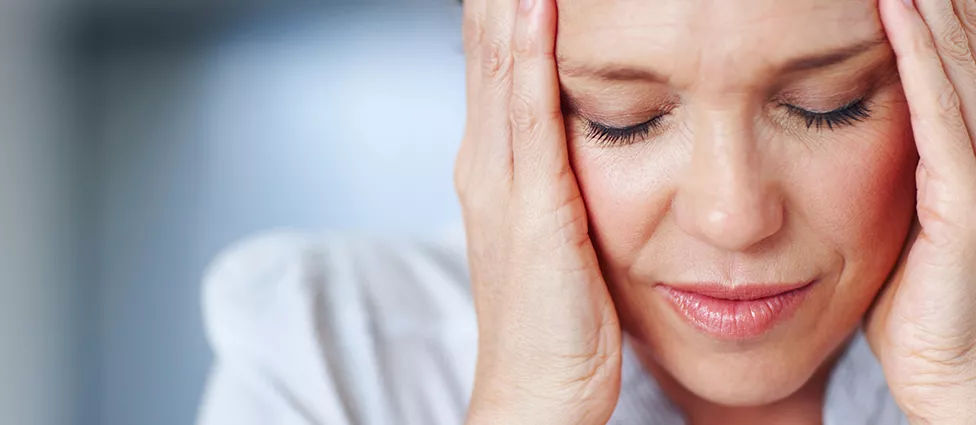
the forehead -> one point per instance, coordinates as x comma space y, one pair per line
673, 35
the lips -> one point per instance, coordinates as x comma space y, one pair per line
735, 313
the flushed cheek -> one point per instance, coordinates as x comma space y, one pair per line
861, 202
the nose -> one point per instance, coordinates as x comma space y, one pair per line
727, 198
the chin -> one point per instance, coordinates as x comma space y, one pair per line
742, 373
744, 380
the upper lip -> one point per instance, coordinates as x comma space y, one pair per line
738, 292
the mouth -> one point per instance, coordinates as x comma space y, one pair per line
735, 313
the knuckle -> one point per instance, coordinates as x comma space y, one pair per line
955, 45
473, 33
523, 115
948, 101
498, 63
967, 14
524, 46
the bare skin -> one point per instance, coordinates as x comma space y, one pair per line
567, 233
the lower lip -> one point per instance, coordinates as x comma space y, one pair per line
734, 319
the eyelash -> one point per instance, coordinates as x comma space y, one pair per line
849, 114
614, 136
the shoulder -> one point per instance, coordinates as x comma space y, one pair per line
256, 280
242, 274
342, 318
404, 285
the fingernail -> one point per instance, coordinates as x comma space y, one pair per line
909, 3
526, 5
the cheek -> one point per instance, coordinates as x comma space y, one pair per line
628, 193
859, 199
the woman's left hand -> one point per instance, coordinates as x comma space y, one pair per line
923, 326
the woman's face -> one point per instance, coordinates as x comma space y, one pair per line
730, 152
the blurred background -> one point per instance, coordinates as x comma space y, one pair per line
138, 138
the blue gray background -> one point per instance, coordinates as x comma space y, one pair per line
138, 138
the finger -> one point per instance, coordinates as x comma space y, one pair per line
966, 11
953, 46
472, 34
496, 86
941, 135
539, 137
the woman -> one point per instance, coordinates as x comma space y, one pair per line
675, 212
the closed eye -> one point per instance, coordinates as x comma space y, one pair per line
846, 115
850, 114
606, 135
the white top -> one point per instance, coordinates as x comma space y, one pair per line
333, 331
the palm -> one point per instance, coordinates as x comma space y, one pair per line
920, 316
923, 325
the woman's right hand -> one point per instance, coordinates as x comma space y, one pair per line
549, 346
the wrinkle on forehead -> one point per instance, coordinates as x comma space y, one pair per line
710, 41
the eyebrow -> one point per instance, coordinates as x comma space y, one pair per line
823, 60
615, 72
607, 72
